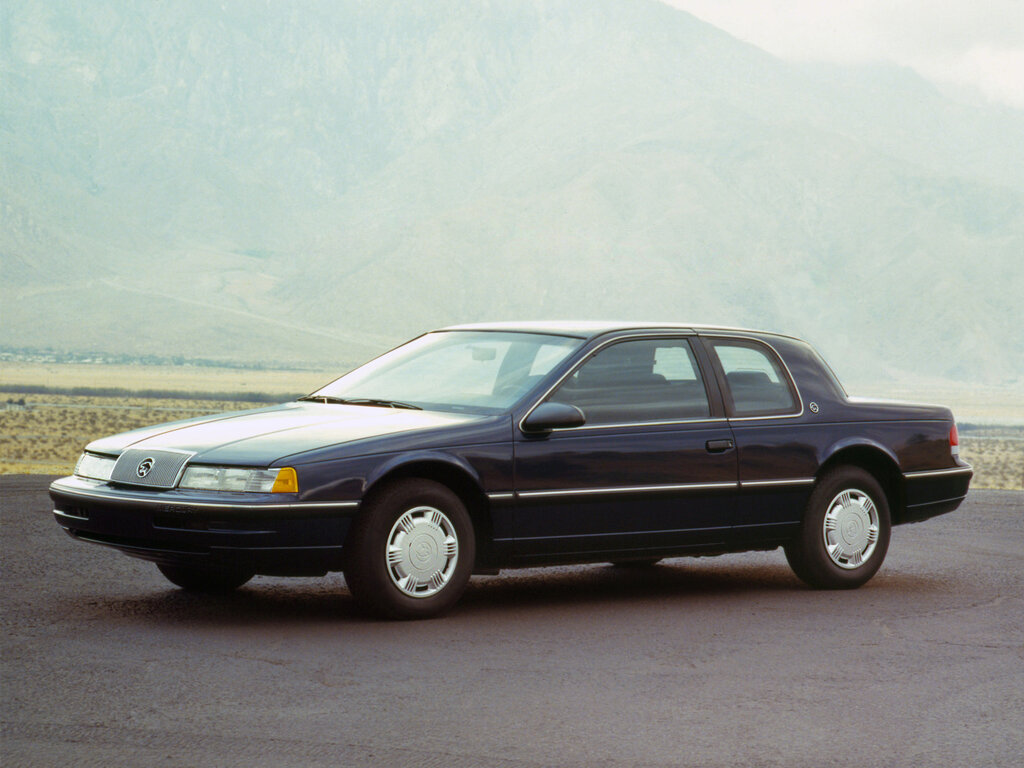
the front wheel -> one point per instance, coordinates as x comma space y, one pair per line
194, 579
411, 552
845, 531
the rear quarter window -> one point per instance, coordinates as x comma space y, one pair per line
756, 383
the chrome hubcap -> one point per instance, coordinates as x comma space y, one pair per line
422, 552
851, 529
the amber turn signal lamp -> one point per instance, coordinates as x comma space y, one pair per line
287, 481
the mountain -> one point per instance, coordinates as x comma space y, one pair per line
315, 181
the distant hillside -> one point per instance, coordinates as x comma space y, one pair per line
310, 181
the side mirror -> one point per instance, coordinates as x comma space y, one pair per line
548, 416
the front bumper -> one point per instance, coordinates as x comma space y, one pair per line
257, 532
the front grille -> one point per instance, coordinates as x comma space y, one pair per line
149, 468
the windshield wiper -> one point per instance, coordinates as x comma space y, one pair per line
383, 403
328, 399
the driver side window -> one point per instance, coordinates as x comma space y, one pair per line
637, 382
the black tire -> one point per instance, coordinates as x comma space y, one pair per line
850, 558
404, 561
197, 579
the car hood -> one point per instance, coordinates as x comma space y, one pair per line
265, 435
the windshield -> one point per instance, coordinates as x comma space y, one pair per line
454, 370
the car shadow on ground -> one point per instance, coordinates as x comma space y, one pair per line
675, 584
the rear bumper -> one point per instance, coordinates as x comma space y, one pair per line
262, 534
934, 492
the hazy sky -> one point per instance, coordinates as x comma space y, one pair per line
978, 43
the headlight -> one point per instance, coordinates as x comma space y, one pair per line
203, 478
95, 466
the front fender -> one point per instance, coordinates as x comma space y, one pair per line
413, 462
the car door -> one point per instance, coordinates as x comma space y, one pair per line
653, 469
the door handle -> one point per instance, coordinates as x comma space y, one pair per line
718, 446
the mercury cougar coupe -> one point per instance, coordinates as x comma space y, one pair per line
481, 447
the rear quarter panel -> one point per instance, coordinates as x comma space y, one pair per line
914, 438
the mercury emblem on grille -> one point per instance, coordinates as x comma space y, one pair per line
145, 467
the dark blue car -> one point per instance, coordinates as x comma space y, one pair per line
475, 448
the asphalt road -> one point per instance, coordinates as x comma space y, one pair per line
723, 661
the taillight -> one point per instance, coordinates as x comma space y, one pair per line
954, 440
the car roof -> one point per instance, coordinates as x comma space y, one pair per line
586, 329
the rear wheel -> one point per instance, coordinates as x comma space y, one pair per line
845, 531
411, 552
195, 579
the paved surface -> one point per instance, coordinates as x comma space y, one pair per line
713, 662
